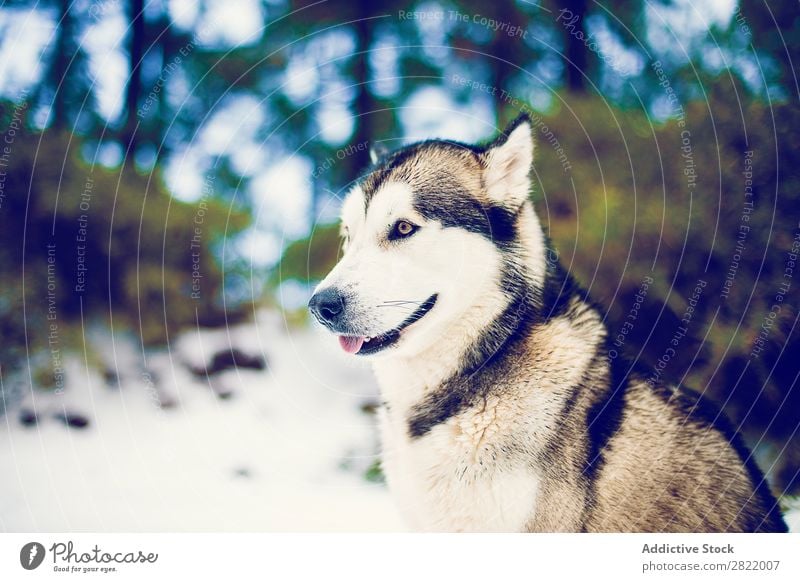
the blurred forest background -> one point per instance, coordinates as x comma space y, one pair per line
168, 164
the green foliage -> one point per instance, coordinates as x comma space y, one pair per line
308, 260
374, 474
90, 242
633, 214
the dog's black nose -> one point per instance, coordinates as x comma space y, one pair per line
327, 306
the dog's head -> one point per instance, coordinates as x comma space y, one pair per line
427, 234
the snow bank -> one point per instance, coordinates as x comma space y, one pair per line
282, 449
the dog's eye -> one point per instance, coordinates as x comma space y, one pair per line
402, 229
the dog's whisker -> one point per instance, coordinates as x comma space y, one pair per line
398, 307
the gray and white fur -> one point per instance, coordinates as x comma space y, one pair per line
502, 411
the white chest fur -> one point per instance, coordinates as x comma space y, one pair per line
456, 477
475, 471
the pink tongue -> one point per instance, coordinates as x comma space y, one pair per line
351, 344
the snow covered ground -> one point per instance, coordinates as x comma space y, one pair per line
287, 448
282, 449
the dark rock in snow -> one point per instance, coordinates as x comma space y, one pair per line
243, 472
370, 407
230, 359
111, 378
72, 420
28, 417
167, 402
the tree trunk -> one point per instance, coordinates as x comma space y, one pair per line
136, 50
576, 52
365, 102
505, 53
59, 69
365, 105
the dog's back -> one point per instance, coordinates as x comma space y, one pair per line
674, 464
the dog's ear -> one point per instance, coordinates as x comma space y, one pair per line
507, 163
377, 151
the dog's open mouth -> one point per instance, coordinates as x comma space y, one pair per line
358, 344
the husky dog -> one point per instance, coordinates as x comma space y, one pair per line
502, 410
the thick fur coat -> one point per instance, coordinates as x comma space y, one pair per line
502, 410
